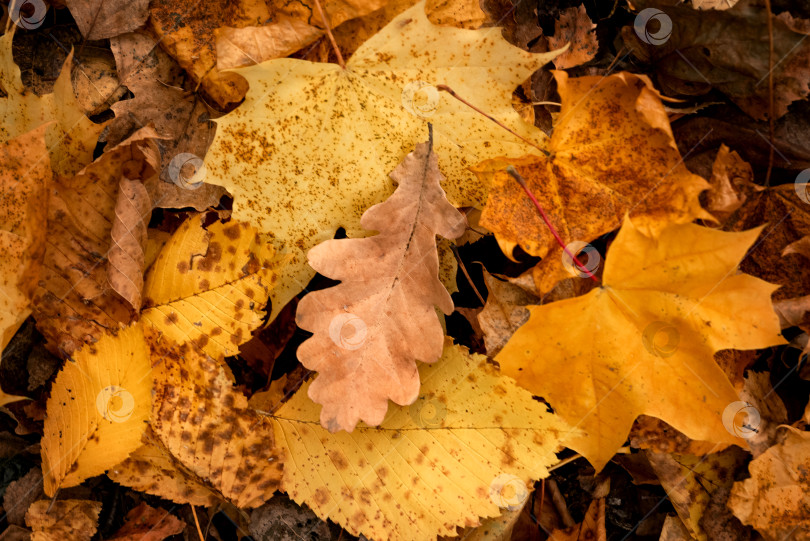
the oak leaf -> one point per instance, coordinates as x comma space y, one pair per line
612, 152
370, 328
774, 500
76, 520
209, 286
208, 427
97, 410
468, 446
25, 177
643, 342
70, 136
277, 153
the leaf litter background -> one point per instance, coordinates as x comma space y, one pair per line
153, 287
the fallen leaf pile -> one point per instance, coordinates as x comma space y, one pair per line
404, 270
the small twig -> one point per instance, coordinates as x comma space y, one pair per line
547, 103
452, 92
565, 461
466, 274
770, 93
197, 523
558, 500
329, 33
515, 175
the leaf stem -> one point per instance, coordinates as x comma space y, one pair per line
329, 33
452, 92
515, 175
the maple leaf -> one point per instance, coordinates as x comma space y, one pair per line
774, 500
70, 136
369, 329
643, 343
612, 152
97, 409
467, 446
76, 520
25, 177
209, 286
311, 146
207, 426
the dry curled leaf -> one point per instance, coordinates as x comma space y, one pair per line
126, 260
208, 287
207, 426
731, 184
371, 328
76, 520
74, 302
100, 19
464, 450
97, 410
666, 305
299, 169
612, 152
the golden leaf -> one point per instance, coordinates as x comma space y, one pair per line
76, 520
209, 286
308, 156
643, 343
466, 448
371, 328
97, 410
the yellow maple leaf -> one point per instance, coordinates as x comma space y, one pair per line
311, 147
209, 285
71, 137
464, 449
643, 343
97, 410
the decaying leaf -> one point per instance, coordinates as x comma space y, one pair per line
692, 482
727, 50
151, 468
731, 184
25, 177
592, 527
100, 19
371, 328
775, 499
207, 426
310, 155
209, 286
126, 260
74, 302
153, 77
643, 343
575, 27
76, 520
97, 409
70, 135
612, 152
468, 446
145, 523
504, 312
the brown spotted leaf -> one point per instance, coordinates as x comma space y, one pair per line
209, 286
612, 153
371, 328
151, 468
208, 427
74, 302
467, 448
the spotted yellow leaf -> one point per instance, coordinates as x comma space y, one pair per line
209, 286
98, 409
465, 449
311, 147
